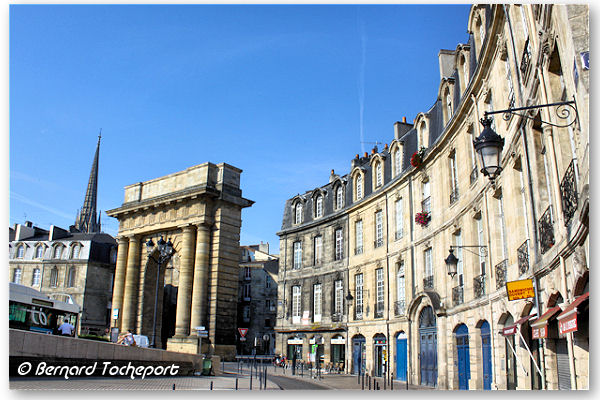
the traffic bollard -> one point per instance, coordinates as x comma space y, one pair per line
173, 386
211, 385
236, 383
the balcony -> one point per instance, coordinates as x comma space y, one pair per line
546, 229
358, 250
399, 234
479, 286
454, 195
428, 282
457, 295
501, 273
525, 61
378, 242
399, 307
378, 310
337, 317
568, 193
426, 205
358, 314
523, 257
474, 175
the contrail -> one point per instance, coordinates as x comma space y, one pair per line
33, 203
361, 78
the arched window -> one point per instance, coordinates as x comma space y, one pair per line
75, 251
378, 175
298, 214
359, 187
20, 251
39, 251
57, 251
319, 206
71, 277
423, 137
35, 279
448, 105
17, 275
54, 277
397, 162
339, 198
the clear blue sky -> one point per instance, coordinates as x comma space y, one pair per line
286, 93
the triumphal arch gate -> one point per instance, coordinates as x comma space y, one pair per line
199, 211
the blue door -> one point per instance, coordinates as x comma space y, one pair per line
464, 365
428, 347
486, 351
401, 356
358, 356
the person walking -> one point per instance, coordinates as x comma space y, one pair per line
66, 329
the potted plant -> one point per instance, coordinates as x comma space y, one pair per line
417, 158
422, 218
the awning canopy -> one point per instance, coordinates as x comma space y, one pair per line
512, 329
567, 320
539, 327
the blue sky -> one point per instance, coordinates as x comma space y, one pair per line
284, 92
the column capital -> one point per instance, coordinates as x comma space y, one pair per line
187, 227
122, 239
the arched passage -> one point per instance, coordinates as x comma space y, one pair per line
401, 356
428, 347
462, 350
359, 352
486, 355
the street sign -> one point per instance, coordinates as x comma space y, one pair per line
518, 290
243, 332
115, 313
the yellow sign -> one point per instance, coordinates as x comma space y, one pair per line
518, 290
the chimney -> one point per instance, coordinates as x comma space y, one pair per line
404, 119
397, 129
366, 154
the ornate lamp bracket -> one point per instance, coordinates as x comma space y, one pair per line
563, 111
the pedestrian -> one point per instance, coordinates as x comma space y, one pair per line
66, 329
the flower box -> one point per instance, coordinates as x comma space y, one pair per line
417, 158
423, 218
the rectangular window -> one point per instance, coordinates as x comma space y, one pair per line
246, 314
380, 293
247, 273
459, 255
358, 308
359, 237
359, 187
338, 297
400, 291
339, 244
480, 243
297, 255
267, 281
318, 249
502, 224
378, 229
453, 179
317, 302
296, 304
399, 219
428, 273
397, 162
339, 199
246, 291
426, 196
319, 207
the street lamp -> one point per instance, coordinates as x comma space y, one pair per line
165, 250
452, 262
489, 147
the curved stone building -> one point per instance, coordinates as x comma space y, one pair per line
405, 205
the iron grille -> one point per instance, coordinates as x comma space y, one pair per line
428, 282
474, 174
337, 317
479, 286
546, 229
457, 295
358, 250
568, 192
454, 195
501, 273
399, 307
523, 257
378, 242
525, 59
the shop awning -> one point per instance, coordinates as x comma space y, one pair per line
512, 329
539, 327
567, 320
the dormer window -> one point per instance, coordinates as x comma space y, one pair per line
57, 252
359, 187
75, 251
20, 251
339, 198
319, 206
39, 251
298, 214
397, 162
378, 175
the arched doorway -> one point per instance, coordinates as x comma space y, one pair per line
462, 350
511, 360
379, 351
359, 352
428, 347
486, 355
401, 356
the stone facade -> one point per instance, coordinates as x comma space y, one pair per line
406, 316
199, 210
257, 299
69, 266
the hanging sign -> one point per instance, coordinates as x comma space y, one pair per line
518, 290
568, 324
539, 333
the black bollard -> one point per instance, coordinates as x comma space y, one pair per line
250, 380
391, 383
384, 381
173, 386
211, 385
236, 383
363, 383
369, 380
265, 378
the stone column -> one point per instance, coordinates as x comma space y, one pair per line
199, 293
119, 279
130, 294
186, 276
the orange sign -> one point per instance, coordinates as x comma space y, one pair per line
518, 290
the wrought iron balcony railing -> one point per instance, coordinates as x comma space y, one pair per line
337, 317
568, 193
546, 229
428, 282
378, 242
479, 286
454, 195
358, 250
358, 314
474, 175
523, 257
525, 60
379, 310
501, 273
399, 307
426, 205
399, 234
457, 295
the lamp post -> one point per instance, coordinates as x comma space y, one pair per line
165, 250
452, 262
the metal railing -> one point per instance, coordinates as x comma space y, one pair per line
525, 60
428, 282
479, 286
378, 242
454, 195
568, 193
523, 257
457, 295
399, 307
474, 175
426, 205
358, 250
501, 273
546, 229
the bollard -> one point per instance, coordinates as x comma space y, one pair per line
236, 383
392, 384
211, 385
363, 383
377, 384
173, 386
250, 380
265, 378
369, 379
384, 381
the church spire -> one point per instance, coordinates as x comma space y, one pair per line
86, 221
